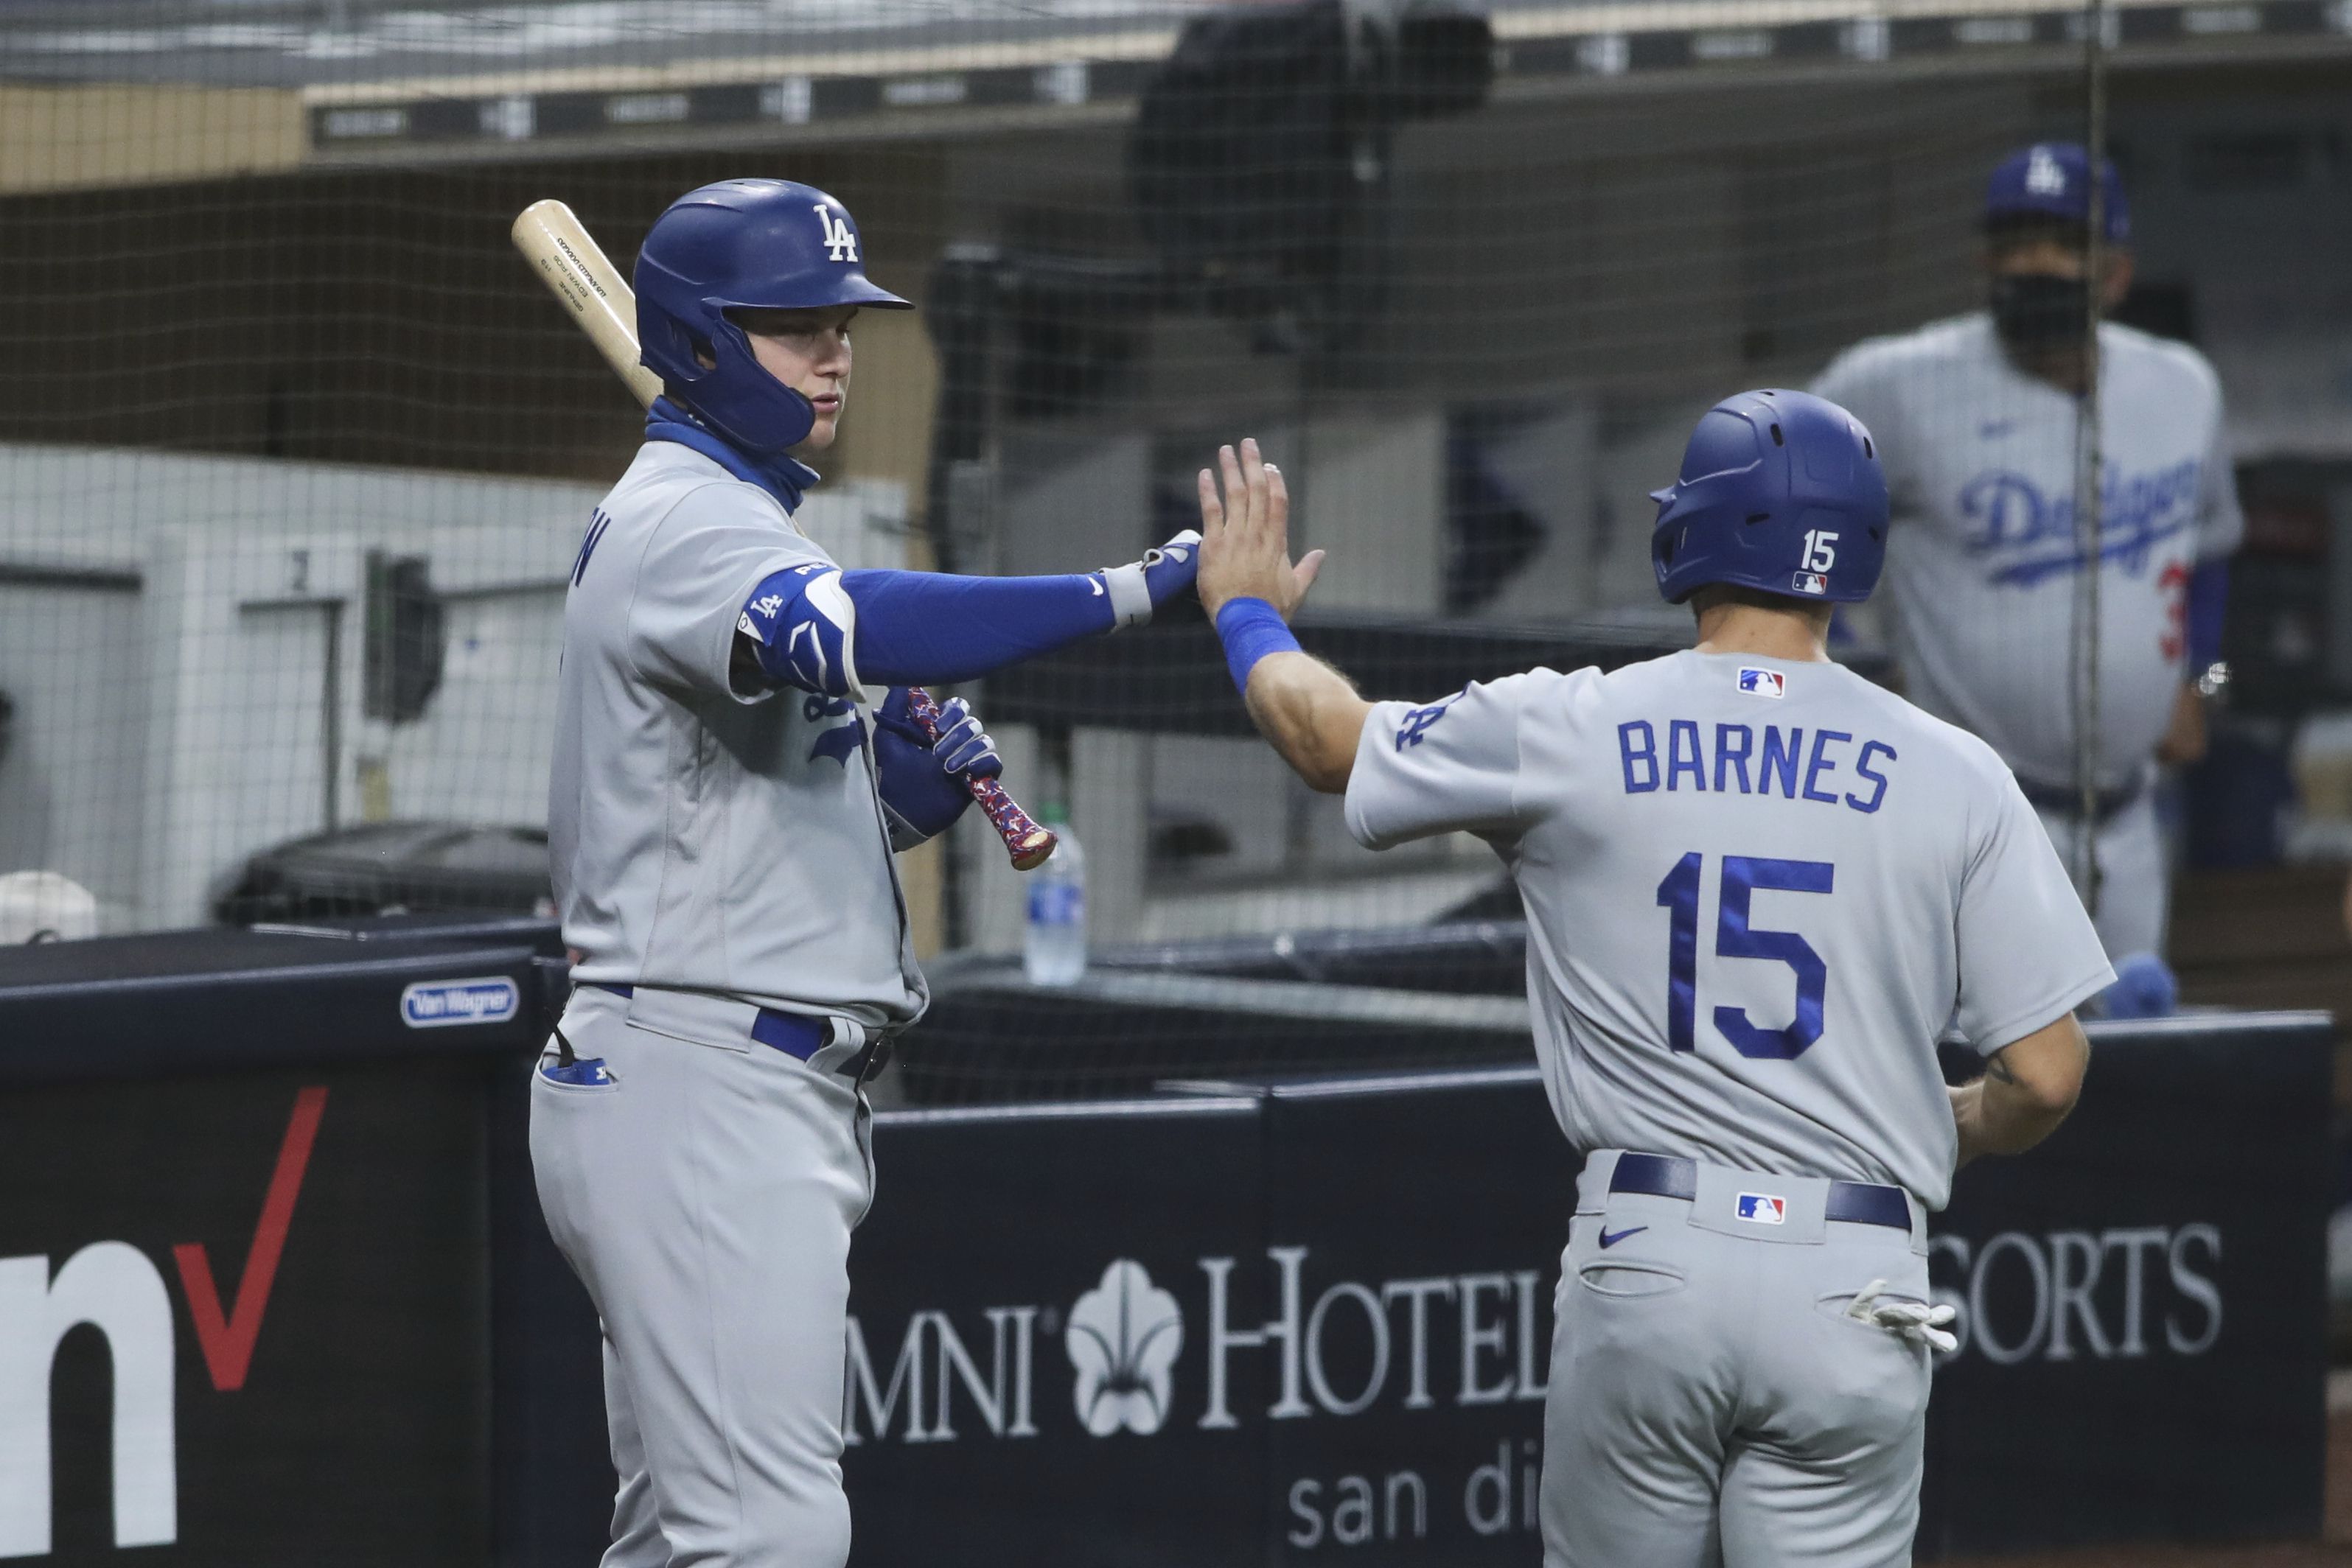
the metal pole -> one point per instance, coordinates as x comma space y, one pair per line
2088, 461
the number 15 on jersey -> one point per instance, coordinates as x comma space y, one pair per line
1736, 938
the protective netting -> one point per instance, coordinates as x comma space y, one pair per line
297, 454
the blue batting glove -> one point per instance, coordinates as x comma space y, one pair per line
2144, 988
1140, 587
921, 795
963, 747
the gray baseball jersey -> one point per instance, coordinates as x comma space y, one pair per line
1982, 562
708, 836
1757, 891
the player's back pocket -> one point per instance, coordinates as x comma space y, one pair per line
1629, 1276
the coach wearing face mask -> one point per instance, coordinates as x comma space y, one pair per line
1978, 419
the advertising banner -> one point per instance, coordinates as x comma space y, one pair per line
1210, 1329
292, 1301
242, 1319
2143, 1303
1031, 1376
1414, 1231
2141, 1315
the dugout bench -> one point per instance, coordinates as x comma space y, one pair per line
273, 1257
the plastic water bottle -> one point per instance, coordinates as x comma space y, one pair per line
1055, 953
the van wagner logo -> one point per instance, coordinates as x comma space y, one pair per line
1123, 1339
437, 1004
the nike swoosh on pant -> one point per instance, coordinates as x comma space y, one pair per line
1609, 1240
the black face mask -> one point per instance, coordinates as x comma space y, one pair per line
2035, 312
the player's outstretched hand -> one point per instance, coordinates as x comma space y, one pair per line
1915, 1323
1245, 535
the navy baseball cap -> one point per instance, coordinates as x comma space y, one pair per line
2052, 179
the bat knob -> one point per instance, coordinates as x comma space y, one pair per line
1034, 850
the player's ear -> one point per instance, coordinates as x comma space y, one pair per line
2116, 285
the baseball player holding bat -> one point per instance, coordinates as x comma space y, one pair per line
737, 759
1979, 415
1758, 889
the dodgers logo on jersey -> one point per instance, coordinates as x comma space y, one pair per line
841, 741
1416, 723
1763, 683
1763, 1208
2027, 535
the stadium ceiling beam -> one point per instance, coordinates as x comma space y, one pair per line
1083, 82
85, 135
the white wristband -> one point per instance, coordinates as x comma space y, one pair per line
1130, 597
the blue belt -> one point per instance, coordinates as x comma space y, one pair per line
796, 1036
1856, 1202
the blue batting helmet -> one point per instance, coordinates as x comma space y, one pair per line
744, 245
1780, 491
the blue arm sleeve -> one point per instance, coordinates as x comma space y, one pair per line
827, 630
918, 628
834, 632
2209, 597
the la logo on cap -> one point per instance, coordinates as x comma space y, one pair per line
2044, 176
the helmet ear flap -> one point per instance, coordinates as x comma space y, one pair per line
727, 337
670, 347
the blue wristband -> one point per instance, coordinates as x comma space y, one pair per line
1250, 629
2208, 604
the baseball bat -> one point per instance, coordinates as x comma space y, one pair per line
601, 303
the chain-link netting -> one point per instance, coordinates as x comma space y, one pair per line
297, 454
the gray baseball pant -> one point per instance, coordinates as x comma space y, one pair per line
705, 1197
1710, 1403
2135, 882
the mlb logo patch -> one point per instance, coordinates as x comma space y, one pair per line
1763, 683
1763, 1208
1811, 582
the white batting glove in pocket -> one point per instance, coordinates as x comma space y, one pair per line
1915, 1323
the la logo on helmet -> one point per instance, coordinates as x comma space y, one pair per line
840, 239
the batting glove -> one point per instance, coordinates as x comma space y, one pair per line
963, 747
2144, 988
1914, 1322
1140, 587
922, 782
